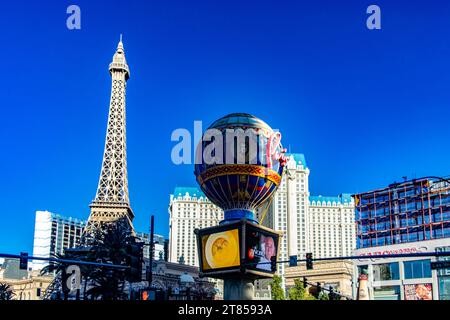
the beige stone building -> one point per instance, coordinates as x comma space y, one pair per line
31, 287
175, 278
338, 274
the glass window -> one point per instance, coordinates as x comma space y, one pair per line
444, 288
386, 271
387, 293
417, 269
363, 269
444, 271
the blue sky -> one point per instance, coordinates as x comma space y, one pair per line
366, 107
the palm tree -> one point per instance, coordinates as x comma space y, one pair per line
107, 285
109, 245
6, 292
86, 272
58, 269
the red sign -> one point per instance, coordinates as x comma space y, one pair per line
271, 150
394, 251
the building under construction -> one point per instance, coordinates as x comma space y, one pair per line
404, 212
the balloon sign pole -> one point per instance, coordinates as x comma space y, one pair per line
242, 163
238, 289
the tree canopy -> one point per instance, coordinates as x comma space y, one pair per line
276, 289
299, 292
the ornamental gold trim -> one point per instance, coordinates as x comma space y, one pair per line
243, 169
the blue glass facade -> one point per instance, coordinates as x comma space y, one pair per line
443, 276
417, 269
406, 212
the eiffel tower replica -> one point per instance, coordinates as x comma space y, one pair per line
112, 202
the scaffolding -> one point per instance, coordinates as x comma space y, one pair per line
411, 211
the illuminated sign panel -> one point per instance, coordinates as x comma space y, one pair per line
261, 246
240, 247
221, 250
421, 291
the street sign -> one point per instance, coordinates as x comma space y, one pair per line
440, 265
293, 261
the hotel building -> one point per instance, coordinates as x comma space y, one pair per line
408, 217
52, 234
189, 209
161, 246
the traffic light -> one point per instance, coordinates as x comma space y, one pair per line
309, 261
23, 264
148, 295
305, 282
273, 263
134, 261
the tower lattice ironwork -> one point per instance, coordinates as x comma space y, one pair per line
112, 201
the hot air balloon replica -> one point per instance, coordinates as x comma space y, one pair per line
240, 172
239, 165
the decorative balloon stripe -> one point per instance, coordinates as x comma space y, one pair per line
244, 169
269, 192
212, 192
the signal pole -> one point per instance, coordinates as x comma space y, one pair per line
152, 229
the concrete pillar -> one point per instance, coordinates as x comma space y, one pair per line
238, 289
